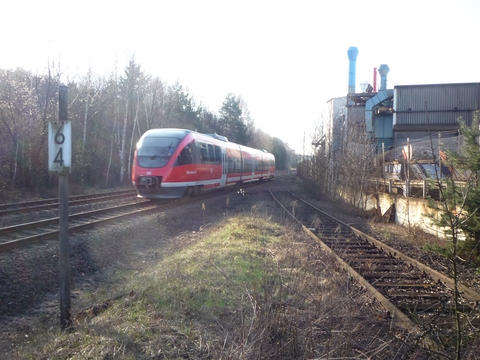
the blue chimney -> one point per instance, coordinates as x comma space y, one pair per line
383, 71
352, 57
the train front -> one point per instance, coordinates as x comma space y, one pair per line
154, 160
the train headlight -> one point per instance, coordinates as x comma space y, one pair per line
148, 182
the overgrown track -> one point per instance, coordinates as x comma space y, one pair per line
415, 297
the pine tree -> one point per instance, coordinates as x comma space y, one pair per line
465, 166
232, 124
458, 209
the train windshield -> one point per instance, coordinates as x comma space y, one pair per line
156, 151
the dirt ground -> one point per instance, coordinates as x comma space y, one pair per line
28, 277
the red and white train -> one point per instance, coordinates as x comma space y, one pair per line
171, 163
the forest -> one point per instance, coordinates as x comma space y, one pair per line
108, 115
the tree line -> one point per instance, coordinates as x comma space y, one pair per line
108, 115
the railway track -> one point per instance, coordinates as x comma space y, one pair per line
22, 234
42, 226
416, 298
36, 205
28, 233
52, 203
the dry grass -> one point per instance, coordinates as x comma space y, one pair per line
415, 235
250, 289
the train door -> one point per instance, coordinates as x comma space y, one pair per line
223, 180
266, 165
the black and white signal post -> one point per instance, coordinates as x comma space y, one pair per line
60, 162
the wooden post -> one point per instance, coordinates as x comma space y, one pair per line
407, 173
440, 173
64, 245
383, 165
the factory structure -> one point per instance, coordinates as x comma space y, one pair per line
408, 121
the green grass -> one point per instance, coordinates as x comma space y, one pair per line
247, 289
208, 275
175, 305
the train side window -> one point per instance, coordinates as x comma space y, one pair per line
211, 154
218, 154
234, 161
203, 153
195, 154
186, 155
247, 165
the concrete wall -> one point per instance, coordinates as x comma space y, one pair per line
408, 211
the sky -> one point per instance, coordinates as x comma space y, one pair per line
285, 59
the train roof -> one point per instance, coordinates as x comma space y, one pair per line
178, 133
218, 137
181, 133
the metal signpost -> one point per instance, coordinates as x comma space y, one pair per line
59, 162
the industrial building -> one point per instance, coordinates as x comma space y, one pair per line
411, 119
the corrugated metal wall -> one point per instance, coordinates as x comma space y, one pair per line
356, 115
337, 110
424, 143
440, 104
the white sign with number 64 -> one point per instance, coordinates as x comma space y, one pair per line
59, 146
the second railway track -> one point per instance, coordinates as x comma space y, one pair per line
52, 203
416, 298
20, 234
28, 233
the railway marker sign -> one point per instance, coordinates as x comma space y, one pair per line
60, 146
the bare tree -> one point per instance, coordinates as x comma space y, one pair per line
153, 104
354, 162
130, 95
26, 102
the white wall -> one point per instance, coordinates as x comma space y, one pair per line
408, 211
